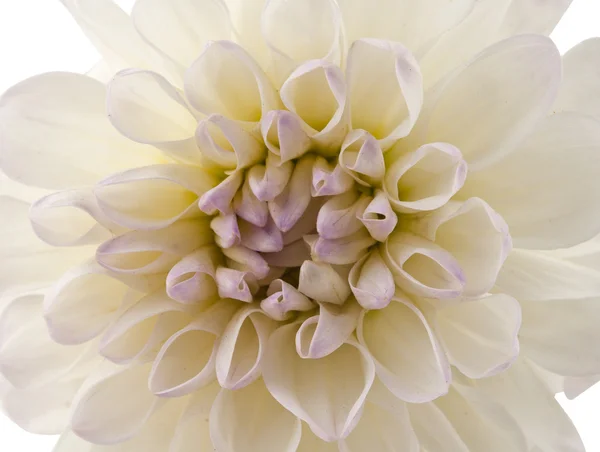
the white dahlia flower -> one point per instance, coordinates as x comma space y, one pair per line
304, 225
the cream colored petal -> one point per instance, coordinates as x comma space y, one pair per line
435, 432
379, 217
181, 28
236, 284
465, 230
249, 420
94, 417
149, 252
385, 89
306, 223
53, 105
547, 201
139, 332
246, 18
322, 334
220, 198
343, 251
226, 229
329, 178
361, 157
425, 179
520, 78
244, 259
82, 303
575, 386
328, 119
242, 347
323, 283
239, 90
284, 134
269, 180
312, 443
338, 217
408, 358
282, 299
153, 197
422, 268
531, 16
186, 361
326, 393
580, 89
192, 279
292, 255
267, 239
372, 282
480, 336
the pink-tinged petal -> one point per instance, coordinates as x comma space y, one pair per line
425, 179
306, 223
342, 251
236, 284
329, 178
247, 260
361, 157
248, 207
322, 283
269, 180
379, 218
240, 90
186, 361
282, 299
327, 331
288, 207
267, 239
242, 347
220, 198
226, 229
192, 279
372, 282
422, 268
338, 217
284, 135
292, 255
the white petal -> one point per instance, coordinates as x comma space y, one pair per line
238, 90
236, 284
323, 283
408, 359
344, 251
153, 197
531, 16
326, 393
425, 179
192, 279
372, 282
361, 156
379, 218
385, 89
283, 299
434, 430
148, 252
226, 229
269, 180
423, 268
244, 259
312, 443
249, 420
186, 361
338, 216
519, 77
575, 386
580, 89
82, 303
220, 198
284, 134
181, 28
328, 118
480, 336
552, 184
322, 334
267, 239
94, 417
465, 230
242, 347
53, 105
292, 255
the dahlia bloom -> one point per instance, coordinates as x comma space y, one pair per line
304, 225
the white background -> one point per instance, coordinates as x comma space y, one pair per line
39, 36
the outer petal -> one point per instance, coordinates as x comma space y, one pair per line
249, 420
435, 432
531, 16
546, 200
326, 393
500, 96
408, 358
480, 336
53, 105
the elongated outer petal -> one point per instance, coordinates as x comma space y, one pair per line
422, 268
575, 386
242, 347
250, 419
435, 432
520, 77
54, 104
284, 134
82, 303
425, 179
322, 283
553, 170
192, 279
379, 218
324, 333
580, 89
153, 197
480, 336
328, 119
361, 157
312, 443
240, 90
147, 109
464, 230
529, 16
93, 416
408, 358
326, 393
186, 361
372, 282
384, 82
179, 29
